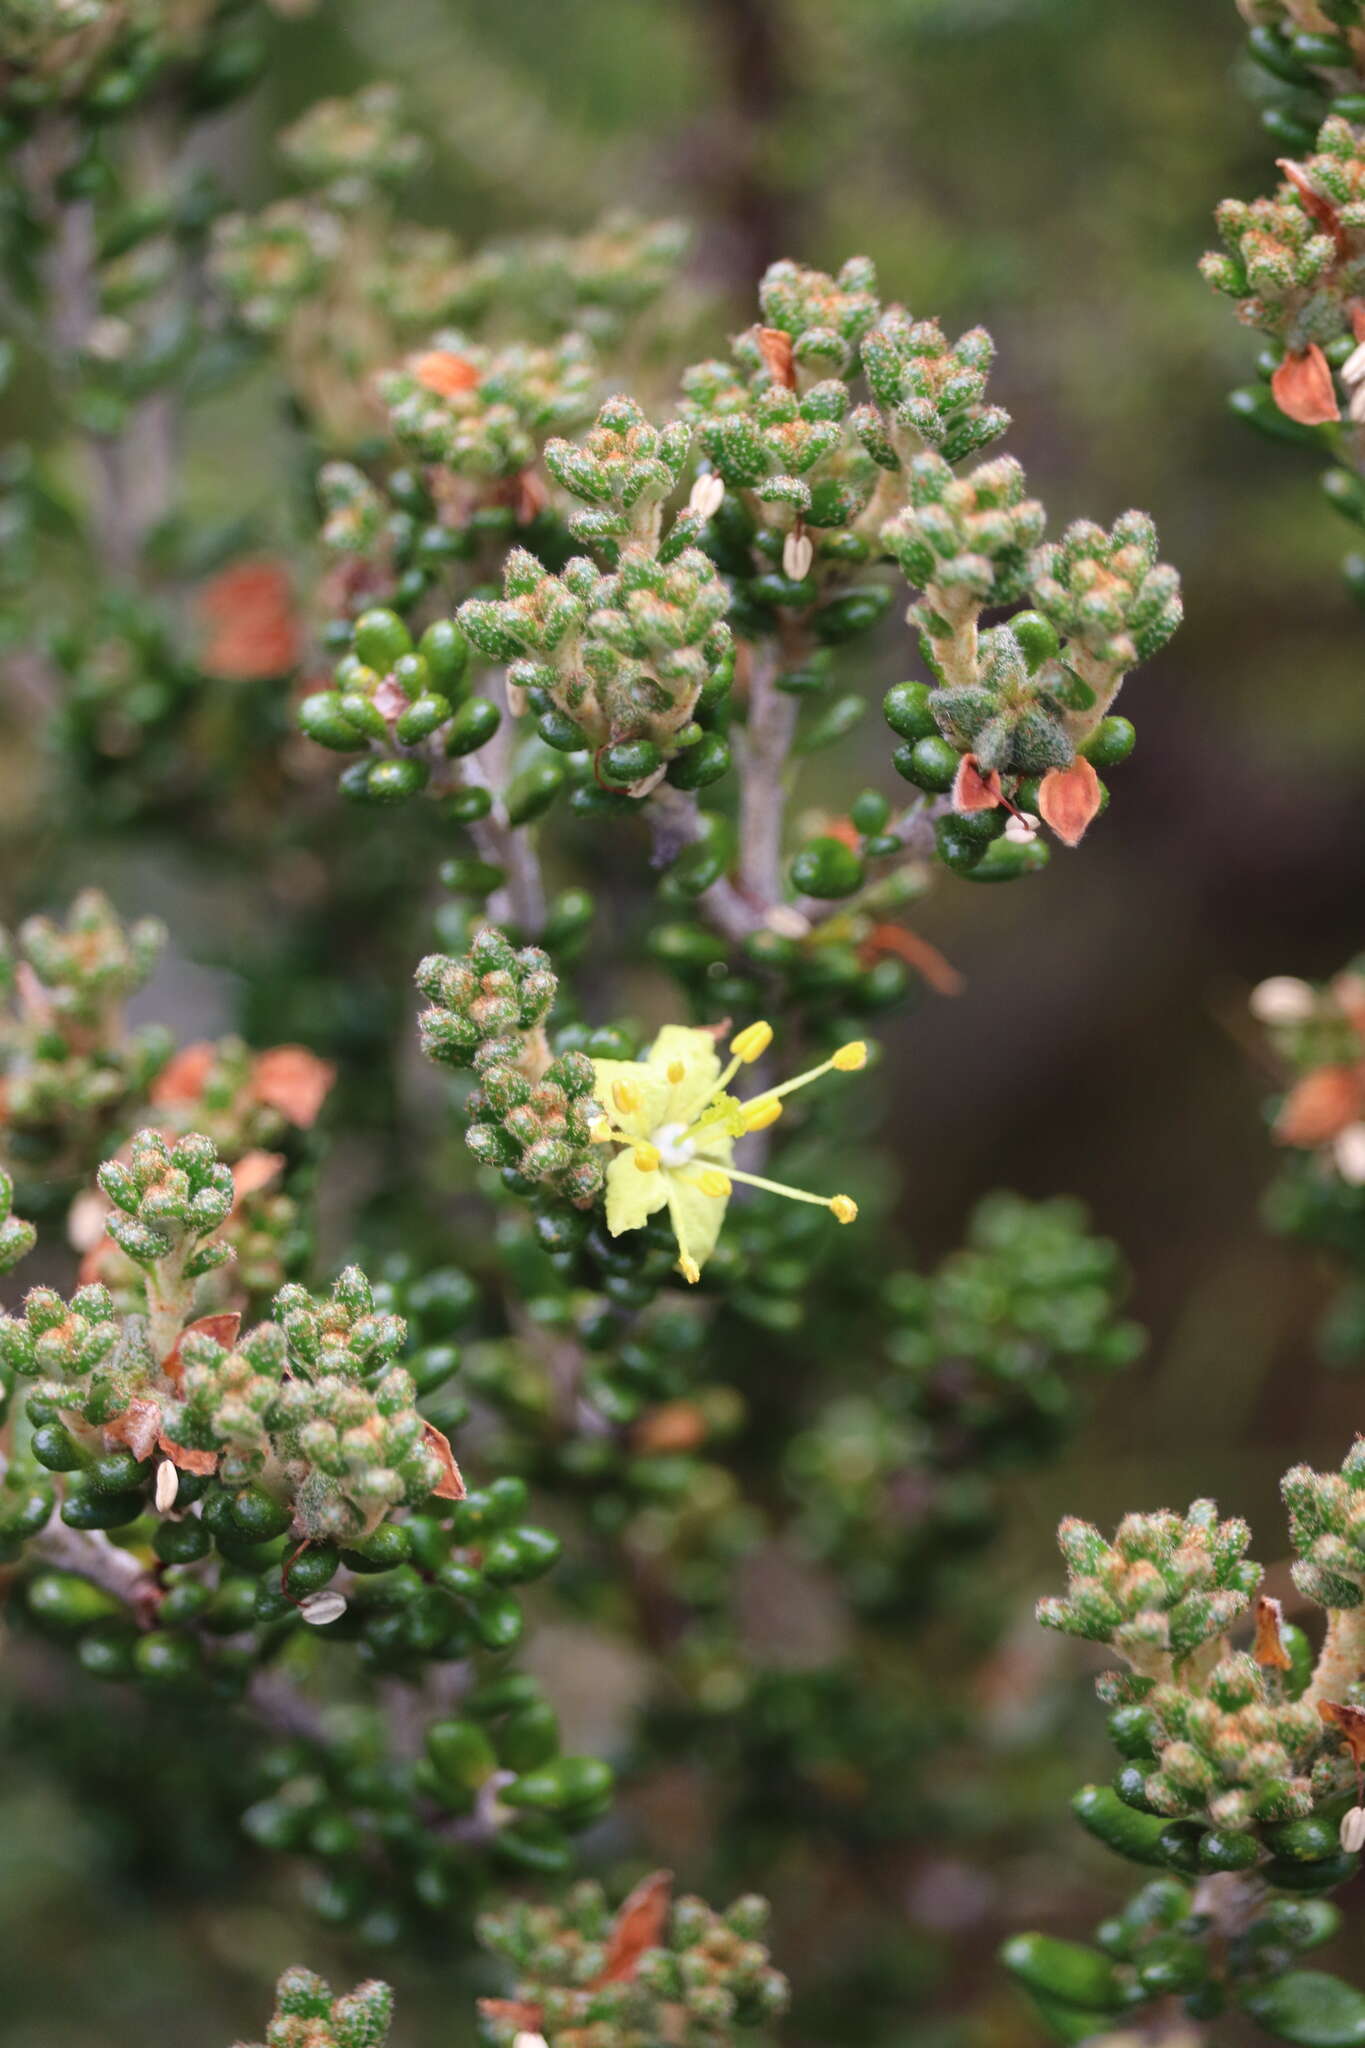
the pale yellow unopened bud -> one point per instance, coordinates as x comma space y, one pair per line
707, 495
850, 1057
845, 1208
714, 1182
1283, 999
320, 1608
797, 556
646, 1157
752, 1042
762, 1111
626, 1096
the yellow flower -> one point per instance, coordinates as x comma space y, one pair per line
675, 1124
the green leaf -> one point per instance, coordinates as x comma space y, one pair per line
1311, 2009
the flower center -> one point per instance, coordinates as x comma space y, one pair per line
674, 1149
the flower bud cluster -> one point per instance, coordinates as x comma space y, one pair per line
618, 662
1231, 1751
70, 1066
651, 1972
529, 1114
1167, 1587
313, 1409
484, 412
1295, 262
307, 2016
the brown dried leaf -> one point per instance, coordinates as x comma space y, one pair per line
183, 1080
138, 1427
293, 1080
442, 371
222, 1328
513, 2012
180, 1455
1349, 1723
1269, 1648
1315, 204
973, 791
1068, 799
931, 965
775, 347
254, 1171
639, 1924
1303, 389
452, 1486
1319, 1107
675, 1426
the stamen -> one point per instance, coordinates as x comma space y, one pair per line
646, 1157
676, 1072
752, 1042
845, 1209
761, 1112
840, 1204
714, 1182
626, 1096
601, 1132
850, 1057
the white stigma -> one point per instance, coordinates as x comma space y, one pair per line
672, 1147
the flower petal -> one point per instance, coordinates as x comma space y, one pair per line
652, 1089
697, 1053
696, 1217
632, 1196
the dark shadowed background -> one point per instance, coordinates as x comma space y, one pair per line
1047, 168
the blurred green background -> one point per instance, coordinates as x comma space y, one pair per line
1047, 168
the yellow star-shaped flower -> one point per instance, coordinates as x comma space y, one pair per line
675, 1124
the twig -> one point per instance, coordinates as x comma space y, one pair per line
762, 806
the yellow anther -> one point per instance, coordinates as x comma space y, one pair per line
752, 1042
646, 1157
845, 1208
676, 1072
626, 1096
600, 1133
689, 1269
761, 1112
850, 1057
714, 1182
